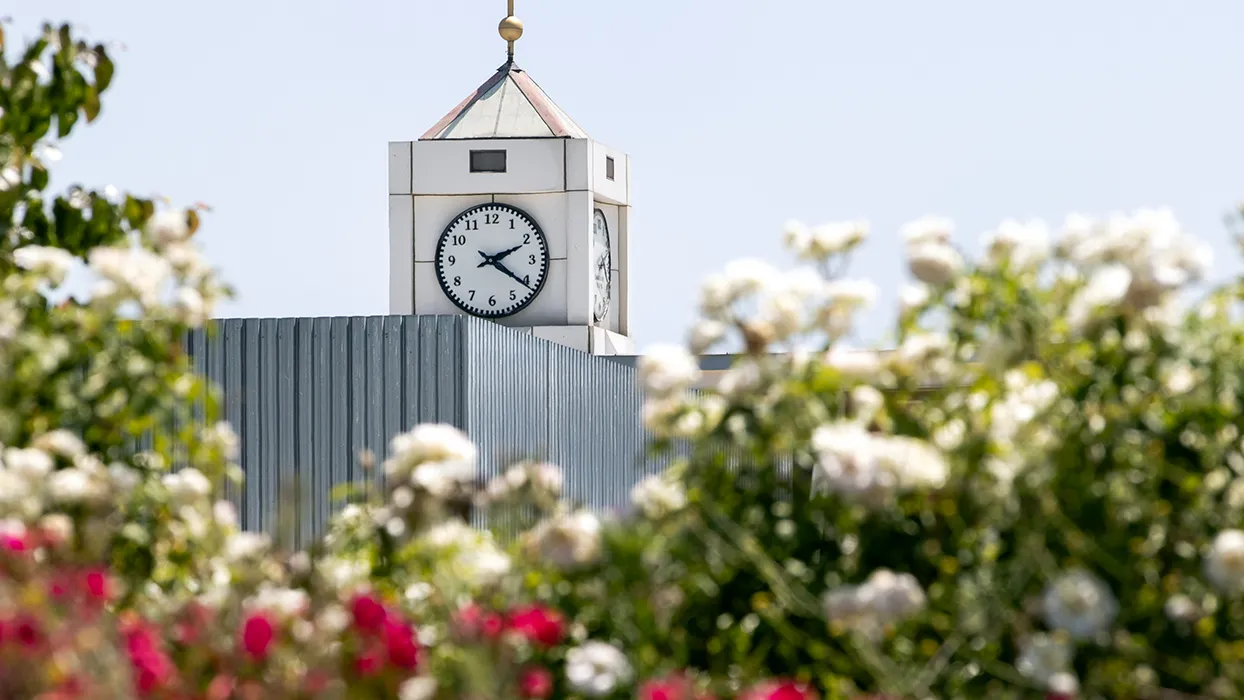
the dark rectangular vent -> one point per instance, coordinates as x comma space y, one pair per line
487, 161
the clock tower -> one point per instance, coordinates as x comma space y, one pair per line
507, 210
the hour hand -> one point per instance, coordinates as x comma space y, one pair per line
501, 256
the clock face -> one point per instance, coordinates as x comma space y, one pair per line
603, 261
492, 260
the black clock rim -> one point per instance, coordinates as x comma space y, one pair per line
609, 271
440, 248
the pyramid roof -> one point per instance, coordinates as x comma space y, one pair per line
508, 105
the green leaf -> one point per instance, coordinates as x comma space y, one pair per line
103, 69
38, 178
90, 105
65, 121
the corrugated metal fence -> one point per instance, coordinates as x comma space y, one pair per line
530, 399
308, 395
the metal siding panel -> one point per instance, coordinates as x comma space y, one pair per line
505, 396
448, 367
305, 462
252, 463
394, 377
269, 503
595, 427
342, 449
427, 366
357, 379
234, 396
374, 426
323, 465
410, 372
287, 424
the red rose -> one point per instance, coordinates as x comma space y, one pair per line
221, 688
369, 662
257, 635
535, 683
538, 625
674, 687
12, 543
399, 640
59, 586
468, 620
316, 682
97, 585
152, 669
27, 632
661, 690
780, 690
492, 626
189, 628
369, 614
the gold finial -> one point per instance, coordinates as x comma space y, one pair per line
511, 29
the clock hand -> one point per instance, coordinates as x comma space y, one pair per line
489, 259
506, 270
502, 254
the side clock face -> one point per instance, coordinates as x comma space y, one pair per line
603, 260
492, 260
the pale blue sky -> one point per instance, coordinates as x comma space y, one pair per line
738, 116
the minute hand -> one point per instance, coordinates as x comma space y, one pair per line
506, 270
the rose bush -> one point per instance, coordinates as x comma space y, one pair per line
1037, 493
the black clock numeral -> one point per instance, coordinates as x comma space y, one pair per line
526, 238
452, 260
492, 218
527, 280
492, 301
457, 281
511, 224
513, 295
457, 240
472, 292
472, 224
531, 260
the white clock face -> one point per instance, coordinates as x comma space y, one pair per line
492, 260
603, 261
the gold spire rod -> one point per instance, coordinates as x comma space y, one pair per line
511, 29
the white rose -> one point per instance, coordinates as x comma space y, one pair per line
929, 229
420, 688
53, 264
244, 546
168, 226
667, 369
1080, 604
61, 442
935, 264
657, 496
187, 486
225, 515
124, 479
1224, 565
30, 464
74, 486
567, 541
596, 669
